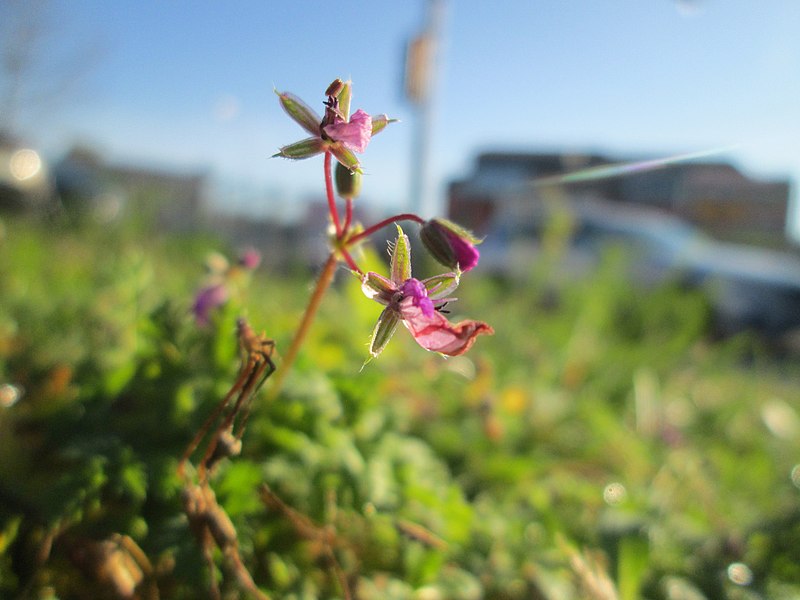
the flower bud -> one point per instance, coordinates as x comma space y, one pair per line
348, 183
336, 86
450, 244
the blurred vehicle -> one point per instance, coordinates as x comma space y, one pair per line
749, 287
25, 181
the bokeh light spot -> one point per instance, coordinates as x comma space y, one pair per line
614, 493
9, 395
740, 574
795, 475
24, 164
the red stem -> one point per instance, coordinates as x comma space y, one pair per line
331, 198
381, 224
348, 220
348, 214
349, 260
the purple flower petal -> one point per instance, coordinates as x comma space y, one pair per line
415, 289
450, 244
467, 255
206, 300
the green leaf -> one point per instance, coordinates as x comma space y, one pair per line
634, 557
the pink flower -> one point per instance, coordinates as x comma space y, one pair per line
418, 304
337, 132
437, 334
353, 134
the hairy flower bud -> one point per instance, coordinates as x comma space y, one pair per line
450, 244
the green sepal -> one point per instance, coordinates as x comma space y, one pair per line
435, 241
344, 99
301, 113
460, 231
379, 123
303, 149
377, 287
384, 329
401, 257
440, 286
347, 158
435, 237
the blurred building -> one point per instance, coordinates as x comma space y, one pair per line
167, 199
715, 196
571, 210
174, 200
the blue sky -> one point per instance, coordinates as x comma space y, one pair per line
188, 84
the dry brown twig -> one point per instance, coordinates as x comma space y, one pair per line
208, 520
256, 367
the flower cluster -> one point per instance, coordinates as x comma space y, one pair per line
416, 303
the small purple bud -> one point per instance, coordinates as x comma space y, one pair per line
206, 300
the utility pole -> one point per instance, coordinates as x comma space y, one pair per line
421, 74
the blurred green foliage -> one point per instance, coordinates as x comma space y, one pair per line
601, 444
